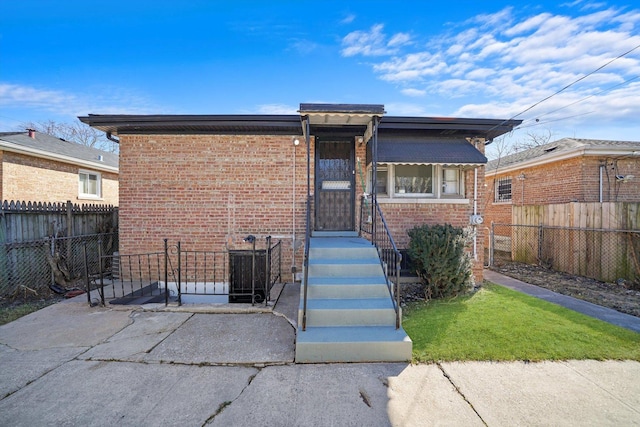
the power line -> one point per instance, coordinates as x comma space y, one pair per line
566, 87
551, 121
587, 97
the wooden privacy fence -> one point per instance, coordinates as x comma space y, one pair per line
594, 215
40, 242
597, 240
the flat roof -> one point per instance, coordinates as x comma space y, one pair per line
327, 118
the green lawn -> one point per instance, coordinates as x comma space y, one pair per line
497, 324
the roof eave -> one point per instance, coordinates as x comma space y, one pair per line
563, 155
19, 149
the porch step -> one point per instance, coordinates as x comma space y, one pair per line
341, 247
347, 287
318, 233
353, 344
349, 312
340, 267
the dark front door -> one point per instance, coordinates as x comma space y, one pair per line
335, 182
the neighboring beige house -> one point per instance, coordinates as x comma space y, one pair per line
563, 171
42, 168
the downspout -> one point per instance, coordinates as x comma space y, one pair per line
475, 207
293, 215
475, 211
600, 183
374, 174
111, 138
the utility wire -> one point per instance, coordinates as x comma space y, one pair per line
565, 88
554, 120
587, 97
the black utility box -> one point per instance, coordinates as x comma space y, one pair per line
240, 271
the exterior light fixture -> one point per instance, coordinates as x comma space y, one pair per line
296, 141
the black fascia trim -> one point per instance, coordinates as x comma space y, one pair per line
373, 109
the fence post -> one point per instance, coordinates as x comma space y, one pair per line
253, 272
100, 271
69, 228
179, 275
86, 271
492, 242
166, 274
540, 238
53, 250
267, 271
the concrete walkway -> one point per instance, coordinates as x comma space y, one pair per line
70, 364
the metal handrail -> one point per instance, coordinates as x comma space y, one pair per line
307, 240
387, 252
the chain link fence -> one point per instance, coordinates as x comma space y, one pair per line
36, 267
601, 254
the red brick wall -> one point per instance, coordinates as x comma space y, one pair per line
28, 178
210, 191
572, 180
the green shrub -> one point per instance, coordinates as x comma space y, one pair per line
439, 260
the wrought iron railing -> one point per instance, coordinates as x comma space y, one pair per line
372, 222
175, 272
307, 240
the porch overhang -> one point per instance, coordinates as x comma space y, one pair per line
339, 119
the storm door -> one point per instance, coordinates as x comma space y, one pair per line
335, 182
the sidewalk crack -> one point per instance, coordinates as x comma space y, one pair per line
169, 334
455, 386
227, 403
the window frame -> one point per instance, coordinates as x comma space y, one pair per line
88, 174
437, 177
502, 196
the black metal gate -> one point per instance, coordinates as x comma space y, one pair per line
335, 182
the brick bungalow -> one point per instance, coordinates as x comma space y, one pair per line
567, 170
210, 180
38, 167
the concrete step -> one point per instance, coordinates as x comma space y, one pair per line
339, 267
334, 234
350, 312
341, 248
347, 287
353, 344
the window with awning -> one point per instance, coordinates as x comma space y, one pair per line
414, 167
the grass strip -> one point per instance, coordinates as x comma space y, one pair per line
9, 313
499, 324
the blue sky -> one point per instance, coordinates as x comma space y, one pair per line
490, 59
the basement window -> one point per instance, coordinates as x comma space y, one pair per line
89, 185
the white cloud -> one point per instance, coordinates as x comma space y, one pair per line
105, 100
277, 109
348, 19
26, 96
373, 42
414, 92
498, 65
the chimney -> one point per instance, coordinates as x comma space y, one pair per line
32, 133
